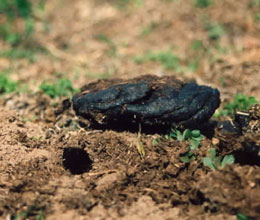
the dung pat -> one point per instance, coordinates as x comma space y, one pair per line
149, 101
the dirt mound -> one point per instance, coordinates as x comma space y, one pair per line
233, 190
53, 166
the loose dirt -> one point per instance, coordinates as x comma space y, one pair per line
51, 165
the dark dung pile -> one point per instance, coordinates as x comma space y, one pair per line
148, 101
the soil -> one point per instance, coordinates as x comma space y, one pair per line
53, 167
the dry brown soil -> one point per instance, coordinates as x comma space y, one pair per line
52, 167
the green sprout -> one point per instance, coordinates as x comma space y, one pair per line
32, 211
149, 29
112, 49
12, 11
166, 58
6, 85
155, 142
203, 3
241, 102
62, 87
215, 30
241, 216
193, 136
217, 162
18, 53
125, 3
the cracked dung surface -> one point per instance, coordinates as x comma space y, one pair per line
149, 101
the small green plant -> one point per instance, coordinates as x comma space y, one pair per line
6, 85
166, 58
257, 17
197, 45
241, 102
18, 53
215, 30
112, 49
217, 162
12, 11
193, 136
203, 3
241, 216
125, 3
195, 54
32, 211
255, 3
62, 87
155, 142
149, 29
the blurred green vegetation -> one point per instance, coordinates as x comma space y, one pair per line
112, 48
203, 3
33, 212
17, 25
6, 84
169, 60
63, 87
241, 102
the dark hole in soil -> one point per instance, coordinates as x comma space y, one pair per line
76, 160
247, 158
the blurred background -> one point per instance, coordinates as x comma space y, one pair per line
214, 42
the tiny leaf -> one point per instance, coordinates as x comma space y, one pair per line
209, 163
227, 160
187, 157
212, 153
194, 144
241, 216
186, 134
180, 136
155, 142
195, 133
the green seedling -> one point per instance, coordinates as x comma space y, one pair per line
155, 141
241, 102
6, 85
149, 29
21, 8
18, 53
196, 53
187, 157
241, 216
125, 3
166, 58
62, 87
255, 3
203, 3
11, 12
193, 65
112, 49
193, 136
197, 45
215, 30
217, 162
257, 17
32, 211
